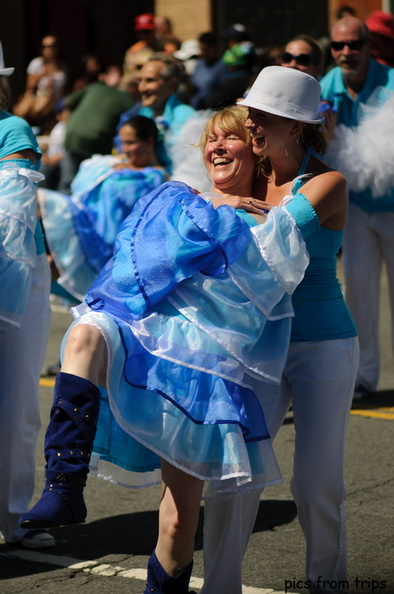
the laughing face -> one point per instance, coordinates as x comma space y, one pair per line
153, 87
229, 161
269, 132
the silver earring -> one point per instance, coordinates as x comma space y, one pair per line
286, 152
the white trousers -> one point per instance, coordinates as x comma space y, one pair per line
21, 356
318, 381
368, 242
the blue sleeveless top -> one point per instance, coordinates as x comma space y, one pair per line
320, 309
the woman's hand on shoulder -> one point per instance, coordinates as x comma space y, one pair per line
248, 203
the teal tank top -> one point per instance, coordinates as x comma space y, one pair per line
319, 306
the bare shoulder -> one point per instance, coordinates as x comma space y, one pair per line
324, 180
327, 192
328, 180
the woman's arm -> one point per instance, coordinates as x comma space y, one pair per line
328, 195
23, 154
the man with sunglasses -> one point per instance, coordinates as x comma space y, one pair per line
369, 236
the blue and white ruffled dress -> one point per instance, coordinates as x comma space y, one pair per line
18, 221
193, 305
80, 229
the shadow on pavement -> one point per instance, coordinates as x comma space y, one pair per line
128, 535
381, 399
274, 513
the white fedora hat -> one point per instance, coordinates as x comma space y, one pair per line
4, 71
285, 92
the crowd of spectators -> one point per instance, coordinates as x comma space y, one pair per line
174, 82
212, 72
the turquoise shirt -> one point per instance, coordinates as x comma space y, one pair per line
15, 136
319, 307
320, 311
380, 82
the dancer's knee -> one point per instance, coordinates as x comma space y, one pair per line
85, 353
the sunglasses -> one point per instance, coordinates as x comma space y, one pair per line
301, 59
355, 45
50, 45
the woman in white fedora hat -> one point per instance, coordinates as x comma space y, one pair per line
24, 319
319, 374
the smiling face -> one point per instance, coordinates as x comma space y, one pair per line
229, 161
270, 133
136, 150
153, 87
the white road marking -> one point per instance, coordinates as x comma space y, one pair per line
107, 570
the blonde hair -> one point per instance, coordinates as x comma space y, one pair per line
229, 119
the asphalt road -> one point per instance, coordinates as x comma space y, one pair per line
108, 554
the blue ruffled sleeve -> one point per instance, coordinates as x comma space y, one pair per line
171, 234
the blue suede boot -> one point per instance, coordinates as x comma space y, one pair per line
159, 582
68, 445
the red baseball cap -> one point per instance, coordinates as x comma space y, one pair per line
381, 23
144, 22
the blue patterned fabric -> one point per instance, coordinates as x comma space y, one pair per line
192, 305
18, 221
81, 228
184, 235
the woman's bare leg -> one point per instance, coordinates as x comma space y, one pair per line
178, 518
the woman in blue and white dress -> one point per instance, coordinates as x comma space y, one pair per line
80, 229
193, 307
24, 319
